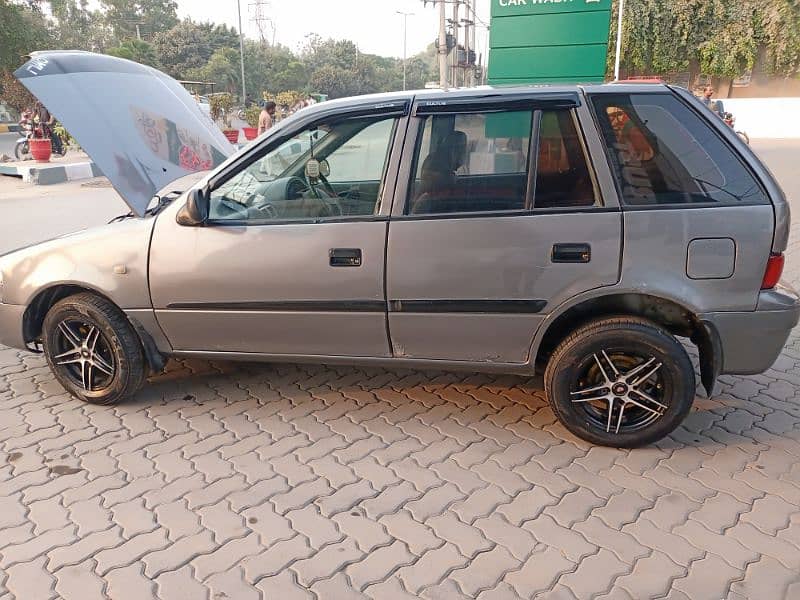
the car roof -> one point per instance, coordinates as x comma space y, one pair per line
486, 91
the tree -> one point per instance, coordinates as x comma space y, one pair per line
189, 45
14, 93
22, 30
135, 18
76, 27
137, 51
222, 68
273, 68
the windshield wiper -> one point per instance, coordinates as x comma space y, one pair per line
161, 203
129, 215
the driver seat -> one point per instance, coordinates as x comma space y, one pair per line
438, 173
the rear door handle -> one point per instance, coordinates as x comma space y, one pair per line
345, 257
571, 253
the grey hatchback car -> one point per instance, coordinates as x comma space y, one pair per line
576, 229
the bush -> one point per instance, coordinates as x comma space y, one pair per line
221, 106
251, 114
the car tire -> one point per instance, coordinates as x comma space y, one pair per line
93, 350
595, 382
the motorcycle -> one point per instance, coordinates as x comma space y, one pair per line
22, 147
730, 121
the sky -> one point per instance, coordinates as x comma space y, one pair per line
372, 24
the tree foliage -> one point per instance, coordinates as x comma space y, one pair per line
138, 51
222, 68
23, 29
132, 18
14, 93
725, 38
189, 45
76, 27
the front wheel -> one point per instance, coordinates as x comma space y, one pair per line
22, 150
623, 382
93, 350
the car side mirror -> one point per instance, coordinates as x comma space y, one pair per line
195, 211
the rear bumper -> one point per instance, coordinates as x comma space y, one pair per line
11, 325
751, 341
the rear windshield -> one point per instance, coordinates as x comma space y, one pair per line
662, 153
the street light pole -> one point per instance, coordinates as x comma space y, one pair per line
405, 16
619, 40
241, 52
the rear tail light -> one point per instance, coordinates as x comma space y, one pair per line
773, 272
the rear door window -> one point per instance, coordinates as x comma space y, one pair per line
662, 153
475, 162
480, 163
563, 179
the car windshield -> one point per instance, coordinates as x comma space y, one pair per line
283, 160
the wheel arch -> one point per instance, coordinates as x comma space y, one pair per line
44, 300
673, 316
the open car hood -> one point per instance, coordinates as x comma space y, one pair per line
140, 126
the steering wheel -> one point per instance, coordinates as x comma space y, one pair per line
330, 200
328, 187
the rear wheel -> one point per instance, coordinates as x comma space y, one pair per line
622, 382
93, 350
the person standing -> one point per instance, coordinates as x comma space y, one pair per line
267, 117
708, 99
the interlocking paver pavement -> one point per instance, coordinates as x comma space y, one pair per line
223, 480
250, 481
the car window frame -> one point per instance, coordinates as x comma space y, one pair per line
536, 105
398, 110
710, 125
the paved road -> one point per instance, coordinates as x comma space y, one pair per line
252, 481
33, 213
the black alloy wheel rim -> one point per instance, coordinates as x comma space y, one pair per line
620, 391
83, 353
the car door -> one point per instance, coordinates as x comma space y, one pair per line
498, 219
285, 265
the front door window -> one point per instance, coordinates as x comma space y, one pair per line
325, 171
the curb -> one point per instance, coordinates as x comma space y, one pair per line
52, 174
6, 128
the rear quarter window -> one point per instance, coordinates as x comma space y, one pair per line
663, 153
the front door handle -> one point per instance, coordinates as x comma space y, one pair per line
571, 253
345, 257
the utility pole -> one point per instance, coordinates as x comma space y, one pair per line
473, 43
405, 16
456, 65
241, 52
619, 40
469, 26
442, 45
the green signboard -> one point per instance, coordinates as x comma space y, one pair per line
539, 41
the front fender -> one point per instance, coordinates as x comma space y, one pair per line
111, 259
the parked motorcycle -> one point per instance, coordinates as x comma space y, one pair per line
22, 147
31, 130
